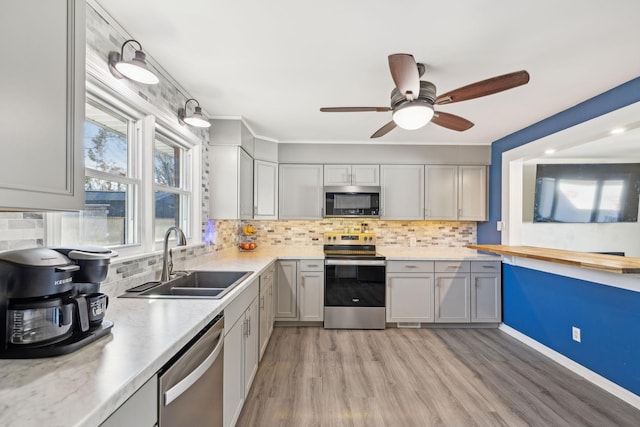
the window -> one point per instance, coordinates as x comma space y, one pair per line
111, 186
172, 189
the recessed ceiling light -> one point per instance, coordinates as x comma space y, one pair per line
617, 130
549, 151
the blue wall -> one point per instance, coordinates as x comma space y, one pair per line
618, 97
545, 306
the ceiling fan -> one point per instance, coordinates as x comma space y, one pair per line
413, 100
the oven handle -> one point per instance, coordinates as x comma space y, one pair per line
354, 262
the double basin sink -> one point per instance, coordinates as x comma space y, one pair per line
192, 284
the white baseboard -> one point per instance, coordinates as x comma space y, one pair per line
597, 379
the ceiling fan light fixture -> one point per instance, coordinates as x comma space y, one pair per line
136, 69
413, 115
196, 119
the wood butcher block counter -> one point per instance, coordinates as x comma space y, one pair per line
607, 263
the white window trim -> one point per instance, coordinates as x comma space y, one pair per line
106, 88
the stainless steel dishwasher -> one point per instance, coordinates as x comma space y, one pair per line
190, 391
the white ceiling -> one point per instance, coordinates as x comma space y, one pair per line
275, 63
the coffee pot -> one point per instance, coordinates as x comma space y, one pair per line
50, 302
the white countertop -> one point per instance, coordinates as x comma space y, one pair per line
85, 387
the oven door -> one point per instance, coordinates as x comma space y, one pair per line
354, 283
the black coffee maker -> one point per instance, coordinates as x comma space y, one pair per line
50, 302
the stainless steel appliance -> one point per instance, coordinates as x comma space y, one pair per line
190, 391
354, 282
352, 201
43, 311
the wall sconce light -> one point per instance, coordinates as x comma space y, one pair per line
136, 69
196, 119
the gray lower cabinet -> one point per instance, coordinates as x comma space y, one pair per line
299, 289
286, 306
241, 351
266, 307
486, 292
311, 290
410, 291
468, 292
43, 76
140, 410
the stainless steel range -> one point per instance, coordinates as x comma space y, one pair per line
354, 282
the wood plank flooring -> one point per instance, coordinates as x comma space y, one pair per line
420, 377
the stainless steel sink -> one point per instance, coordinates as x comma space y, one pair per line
195, 284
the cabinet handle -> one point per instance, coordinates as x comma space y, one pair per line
489, 266
410, 266
312, 265
246, 327
262, 302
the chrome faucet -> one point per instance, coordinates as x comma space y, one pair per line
167, 258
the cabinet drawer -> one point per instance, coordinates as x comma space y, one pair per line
486, 267
452, 267
311, 265
409, 266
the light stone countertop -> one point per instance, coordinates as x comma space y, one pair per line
83, 388
393, 253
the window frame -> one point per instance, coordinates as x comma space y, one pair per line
148, 119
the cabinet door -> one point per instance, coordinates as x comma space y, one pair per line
42, 166
287, 290
441, 192
337, 174
264, 316
365, 175
246, 185
486, 297
265, 187
252, 344
266, 309
452, 299
141, 409
472, 193
300, 191
311, 296
233, 398
409, 297
402, 188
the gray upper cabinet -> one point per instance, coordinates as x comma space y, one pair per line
472, 193
456, 192
231, 182
42, 165
265, 190
402, 191
351, 175
441, 192
231, 173
300, 191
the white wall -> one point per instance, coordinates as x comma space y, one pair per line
518, 183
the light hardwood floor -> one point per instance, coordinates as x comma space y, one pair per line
420, 377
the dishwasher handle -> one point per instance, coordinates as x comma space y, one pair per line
174, 392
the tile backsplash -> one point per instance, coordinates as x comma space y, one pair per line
451, 234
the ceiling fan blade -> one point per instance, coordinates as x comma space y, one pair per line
405, 74
354, 109
451, 121
384, 129
485, 87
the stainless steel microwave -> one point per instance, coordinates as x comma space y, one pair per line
352, 201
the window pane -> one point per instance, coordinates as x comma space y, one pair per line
167, 212
167, 164
105, 141
104, 218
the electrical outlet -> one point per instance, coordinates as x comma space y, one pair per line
575, 333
